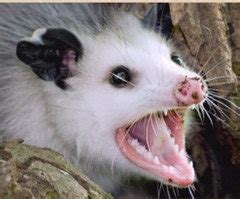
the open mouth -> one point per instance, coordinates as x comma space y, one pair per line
156, 143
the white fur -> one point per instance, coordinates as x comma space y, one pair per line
36, 36
81, 122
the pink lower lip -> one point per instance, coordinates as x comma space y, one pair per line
182, 177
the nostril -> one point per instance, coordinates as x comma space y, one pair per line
195, 96
183, 91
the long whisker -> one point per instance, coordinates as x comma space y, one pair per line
213, 53
159, 189
153, 126
199, 114
177, 191
206, 112
216, 90
223, 98
229, 92
212, 105
132, 125
169, 196
222, 83
218, 101
211, 68
220, 111
174, 193
147, 131
132, 84
190, 192
227, 107
195, 58
118, 149
115, 156
67, 108
221, 120
231, 97
219, 77
210, 57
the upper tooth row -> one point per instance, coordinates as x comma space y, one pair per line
165, 113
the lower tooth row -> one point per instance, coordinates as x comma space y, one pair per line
148, 155
176, 148
143, 151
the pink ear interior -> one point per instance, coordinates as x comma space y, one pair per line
69, 59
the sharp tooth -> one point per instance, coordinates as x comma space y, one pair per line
191, 163
134, 142
165, 112
156, 160
144, 150
141, 149
148, 155
182, 153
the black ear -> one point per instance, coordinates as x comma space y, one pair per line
51, 53
159, 19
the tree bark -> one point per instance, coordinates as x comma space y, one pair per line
208, 37
31, 172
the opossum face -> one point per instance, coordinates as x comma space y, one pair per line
139, 94
133, 92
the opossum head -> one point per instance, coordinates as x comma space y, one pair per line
125, 94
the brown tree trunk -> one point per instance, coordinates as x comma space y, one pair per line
31, 172
208, 37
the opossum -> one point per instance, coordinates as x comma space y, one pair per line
95, 84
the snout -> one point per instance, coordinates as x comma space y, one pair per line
190, 91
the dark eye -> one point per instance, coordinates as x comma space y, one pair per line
177, 60
120, 77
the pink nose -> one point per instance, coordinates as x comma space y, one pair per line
190, 91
